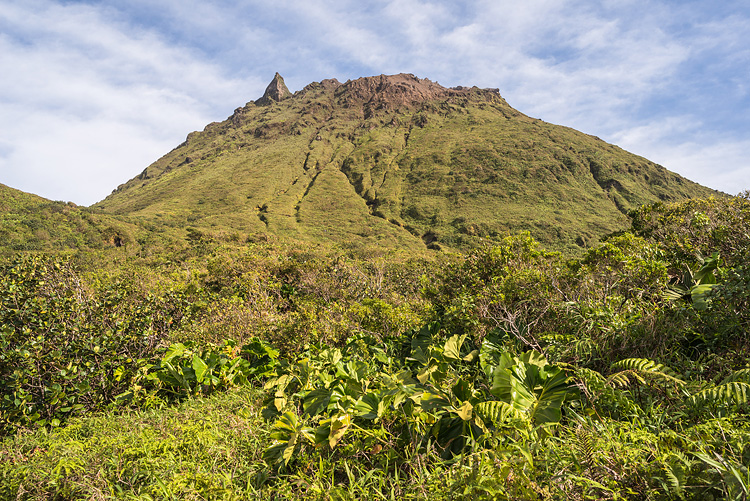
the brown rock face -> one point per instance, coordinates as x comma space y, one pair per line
390, 92
275, 92
398, 89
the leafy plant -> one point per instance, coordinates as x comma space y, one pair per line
696, 286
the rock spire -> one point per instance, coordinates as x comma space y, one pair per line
275, 92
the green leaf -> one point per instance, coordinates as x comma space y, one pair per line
452, 348
491, 350
471, 356
547, 408
734, 392
200, 368
497, 412
175, 350
424, 374
339, 426
285, 433
533, 388
465, 411
370, 406
432, 402
316, 401
699, 295
462, 390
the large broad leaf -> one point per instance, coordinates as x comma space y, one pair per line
451, 434
533, 357
316, 401
434, 402
547, 408
333, 429
370, 406
174, 350
422, 339
490, 352
174, 377
353, 369
420, 355
462, 390
200, 367
699, 295
286, 434
705, 275
426, 372
537, 389
452, 348
465, 412
404, 393
509, 387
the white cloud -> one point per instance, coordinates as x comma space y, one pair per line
90, 102
679, 144
110, 86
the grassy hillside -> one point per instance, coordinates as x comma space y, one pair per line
396, 162
32, 223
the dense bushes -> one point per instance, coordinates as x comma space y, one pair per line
508, 373
65, 350
73, 342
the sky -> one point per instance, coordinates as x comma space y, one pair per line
92, 92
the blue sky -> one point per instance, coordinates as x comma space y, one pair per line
93, 92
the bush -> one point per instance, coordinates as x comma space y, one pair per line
61, 345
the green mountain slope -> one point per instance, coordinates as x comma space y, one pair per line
395, 161
32, 223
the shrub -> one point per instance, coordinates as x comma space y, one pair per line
61, 345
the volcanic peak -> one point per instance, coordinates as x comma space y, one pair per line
381, 92
393, 91
275, 92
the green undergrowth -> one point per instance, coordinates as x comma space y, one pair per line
237, 370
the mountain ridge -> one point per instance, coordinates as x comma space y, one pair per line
393, 161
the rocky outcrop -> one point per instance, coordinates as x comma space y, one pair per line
275, 92
391, 92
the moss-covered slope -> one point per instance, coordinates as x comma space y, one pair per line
395, 161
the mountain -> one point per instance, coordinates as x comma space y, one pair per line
398, 162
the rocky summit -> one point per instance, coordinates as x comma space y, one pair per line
395, 161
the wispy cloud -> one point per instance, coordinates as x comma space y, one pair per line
99, 90
89, 100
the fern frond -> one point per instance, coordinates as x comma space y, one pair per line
585, 447
639, 364
675, 477
641, 368
742, 375
619, 379
735, 392
497, 412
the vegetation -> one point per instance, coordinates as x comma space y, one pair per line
31, 223
395, 163
221, 368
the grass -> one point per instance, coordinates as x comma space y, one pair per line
32, 223
211, 449
203, 449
